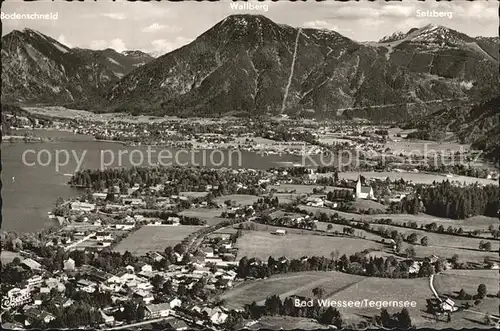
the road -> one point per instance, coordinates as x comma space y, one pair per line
126, 326
172, 316
431, 284
340, 111
79, 241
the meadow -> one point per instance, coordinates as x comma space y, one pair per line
285, 323
476, 222
212, 216
337, 287
263, 244
7, 256
450, 282
237, 199
286, 285
154, 238
193, 194
445, 245
301, 189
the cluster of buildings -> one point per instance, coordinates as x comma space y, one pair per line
133, 283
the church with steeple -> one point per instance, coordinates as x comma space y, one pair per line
363, 192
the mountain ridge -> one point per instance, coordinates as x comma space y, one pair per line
39, 69
243, 63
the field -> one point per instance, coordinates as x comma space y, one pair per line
212, 216
263, 244
154, 238
472, 223
238, 199
439, 244
424, 146
437, 241
286, 197
322, 226
300, 283
450, 282
7, 256
361, 204
193, 194
285, 323
302, 188
337, 287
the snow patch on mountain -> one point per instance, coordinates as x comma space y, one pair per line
114, 61
60, 47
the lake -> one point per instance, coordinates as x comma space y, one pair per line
30, 190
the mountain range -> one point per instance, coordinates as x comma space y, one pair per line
250, 65
39, 69
475, 124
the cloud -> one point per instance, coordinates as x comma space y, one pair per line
163, 46
116, 44
318, 24
62, 40
153, 28
157, 27
98, 44
114, 16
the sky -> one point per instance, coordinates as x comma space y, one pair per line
160, 27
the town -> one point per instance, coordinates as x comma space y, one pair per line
182, 247
349, 145
207, 165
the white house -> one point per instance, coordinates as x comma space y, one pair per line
126, 226
108, 320
32, 264
215, 315
35, 281
147, 268
37, 300
330, 204
173, 302
102, 236
99, 195
448, 305
158, 310
315, 202
173, 220
145, 296
82, 206
414, 268
69, 264
209, 251
157, 257
86, 286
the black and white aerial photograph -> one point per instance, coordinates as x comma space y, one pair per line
249, 165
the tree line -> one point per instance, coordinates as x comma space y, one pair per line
451, 201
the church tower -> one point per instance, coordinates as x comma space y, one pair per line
358, 187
